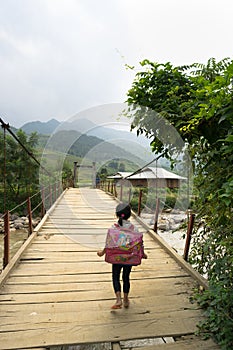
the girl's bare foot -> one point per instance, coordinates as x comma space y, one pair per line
117, 305
126, 300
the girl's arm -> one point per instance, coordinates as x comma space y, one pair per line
144, 255
101, 252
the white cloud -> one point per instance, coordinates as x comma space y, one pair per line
60, 57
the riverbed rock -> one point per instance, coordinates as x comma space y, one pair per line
18, 223
14, 217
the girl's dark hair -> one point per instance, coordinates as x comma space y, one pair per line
123, 212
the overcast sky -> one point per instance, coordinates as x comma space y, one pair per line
59, 57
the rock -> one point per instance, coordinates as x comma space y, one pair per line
164, 225
18, 225
14, 217
26, 221
35, 222
178, 219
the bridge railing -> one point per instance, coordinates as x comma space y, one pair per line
123, 193
43, 200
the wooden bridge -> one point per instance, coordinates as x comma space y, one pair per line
57, 292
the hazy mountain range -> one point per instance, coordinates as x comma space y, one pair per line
127, 141
45, 128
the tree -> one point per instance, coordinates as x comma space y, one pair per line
198, 101
67, 176
21, 171
121, 167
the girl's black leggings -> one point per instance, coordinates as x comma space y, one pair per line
116, 271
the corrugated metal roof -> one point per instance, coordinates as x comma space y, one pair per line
148, 173
120, 175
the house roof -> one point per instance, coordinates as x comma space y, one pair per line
120, 175
148, 173
153, 173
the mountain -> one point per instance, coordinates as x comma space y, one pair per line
45, 128
84, 126
128, 141
89, 148
137, 146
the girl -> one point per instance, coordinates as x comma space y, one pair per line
123, 212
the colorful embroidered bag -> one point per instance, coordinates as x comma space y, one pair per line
124, 246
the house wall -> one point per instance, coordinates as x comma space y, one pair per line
161, 183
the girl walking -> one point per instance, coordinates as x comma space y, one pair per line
123, 213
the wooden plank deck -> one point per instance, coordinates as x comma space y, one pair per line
59, 292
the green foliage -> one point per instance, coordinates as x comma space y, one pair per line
198, 101
19, 172
168, 198
67, 176
114, 166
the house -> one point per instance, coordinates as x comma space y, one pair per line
151, 177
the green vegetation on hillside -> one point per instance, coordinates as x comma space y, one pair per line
18, 172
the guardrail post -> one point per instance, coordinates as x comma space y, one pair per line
30, 227
50, 196
156, 214
93, 175
75, 174
139, 202
188, 237
55, 191
6, 256
115, 191
121, 191
42, 203
129, 196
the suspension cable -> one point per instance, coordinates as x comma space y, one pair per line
4, 171
140, 169
7, 127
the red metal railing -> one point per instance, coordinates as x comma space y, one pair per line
48, 196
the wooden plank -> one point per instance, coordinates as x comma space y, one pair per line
116, 346
96, 294
13, 262
73, 333
139, 305
46, 243
84, 268
161, 286
82, 255
35, 320
150, 277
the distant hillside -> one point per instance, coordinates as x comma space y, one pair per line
91, 147
45, 128
84, 126
125, 141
